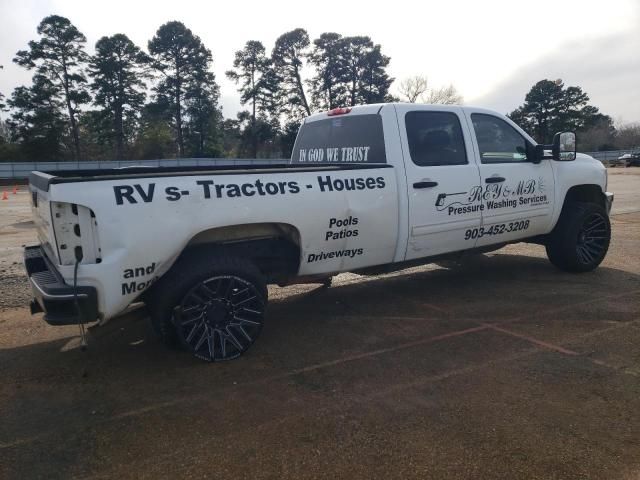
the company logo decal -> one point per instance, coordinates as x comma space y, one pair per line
529, 193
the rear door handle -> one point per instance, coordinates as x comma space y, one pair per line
425, 184
494, 179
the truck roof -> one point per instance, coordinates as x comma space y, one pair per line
375, 108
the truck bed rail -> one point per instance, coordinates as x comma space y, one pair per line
43, 180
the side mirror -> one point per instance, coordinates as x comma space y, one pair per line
564, 146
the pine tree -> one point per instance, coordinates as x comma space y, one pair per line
59, 57
183, 63
366, 79
374, 80
201, 102
549, 108
118, 86
37, 121
288, 55
327, 86
258, 85
349, 71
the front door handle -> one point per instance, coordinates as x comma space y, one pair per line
425, 184
494, 179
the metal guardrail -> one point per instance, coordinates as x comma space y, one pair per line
21, 170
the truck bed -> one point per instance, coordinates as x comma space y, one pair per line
42, 179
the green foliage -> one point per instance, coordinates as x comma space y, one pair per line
549, 107
155, 142
326, 85
288, 55
598, 134
183, 63
155, 138
37, 122
204, 116
96, 134
366, 78
231, 141
288, 137
349, 71
255, 77
117, 70
48, 119
59, 57
258, 85
11, 152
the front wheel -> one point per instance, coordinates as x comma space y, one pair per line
581, 238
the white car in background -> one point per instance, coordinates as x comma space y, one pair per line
630, 159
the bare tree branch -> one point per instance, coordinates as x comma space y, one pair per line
444, 96
416, 89
413, 88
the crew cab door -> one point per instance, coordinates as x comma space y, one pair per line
517, 194
441, 173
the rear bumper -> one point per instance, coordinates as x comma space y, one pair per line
53, 296
609, 201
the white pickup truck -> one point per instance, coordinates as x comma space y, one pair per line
369, 189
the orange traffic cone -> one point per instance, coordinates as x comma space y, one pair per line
15, 189
5, 196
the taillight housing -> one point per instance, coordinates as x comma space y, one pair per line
338, 111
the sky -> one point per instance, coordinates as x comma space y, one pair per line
493, 51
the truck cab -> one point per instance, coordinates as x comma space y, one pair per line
466, 178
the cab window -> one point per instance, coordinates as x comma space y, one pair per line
498, 141
435, 138
342, 139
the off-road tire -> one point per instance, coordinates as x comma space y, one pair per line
580, 240
194, 276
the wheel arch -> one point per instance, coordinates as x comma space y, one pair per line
584, 192
588, 193
273, 247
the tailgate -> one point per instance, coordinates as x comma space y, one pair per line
62, 227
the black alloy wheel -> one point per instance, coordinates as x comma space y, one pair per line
580, 239
593, 239
219, 318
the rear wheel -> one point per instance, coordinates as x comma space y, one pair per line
220, 317
581, 238
214, 308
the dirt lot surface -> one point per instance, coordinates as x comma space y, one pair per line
503, 368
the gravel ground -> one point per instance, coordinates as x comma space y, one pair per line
14, 291
501, 368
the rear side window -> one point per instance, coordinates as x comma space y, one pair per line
435, 138
341, 139
498, 141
